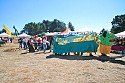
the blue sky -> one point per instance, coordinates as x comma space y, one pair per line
83, 14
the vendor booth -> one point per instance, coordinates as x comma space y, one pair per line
121, 34
3, 35
51, 34
23, 35
119, 47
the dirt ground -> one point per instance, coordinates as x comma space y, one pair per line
19, 66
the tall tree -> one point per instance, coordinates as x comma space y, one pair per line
58, 26
3, 31
31, 28
47, 24
118, 24
71, 26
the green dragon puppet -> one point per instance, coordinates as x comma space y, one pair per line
107, 40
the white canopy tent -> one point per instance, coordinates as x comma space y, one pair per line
23, 35
3, 35
121, 34
51, 34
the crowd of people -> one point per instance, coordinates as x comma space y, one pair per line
120, 41
36, 43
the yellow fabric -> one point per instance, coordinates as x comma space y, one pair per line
7, 30
104, 49
89, 52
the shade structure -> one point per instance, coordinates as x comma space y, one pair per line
51, 34
121, 34
65, 32
23, 35
3, 35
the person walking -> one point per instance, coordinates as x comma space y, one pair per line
39, 43
51, 43
31, 48
20, 41
25, 42
44, 41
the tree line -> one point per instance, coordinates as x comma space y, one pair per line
33, 28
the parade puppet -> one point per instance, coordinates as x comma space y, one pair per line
81, 42
106, 41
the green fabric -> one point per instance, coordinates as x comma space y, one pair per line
69, 43
87, 46
106, 40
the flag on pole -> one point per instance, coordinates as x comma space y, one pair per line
7, 31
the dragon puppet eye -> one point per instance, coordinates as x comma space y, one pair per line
110, 34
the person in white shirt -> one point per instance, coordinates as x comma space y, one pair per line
25, 42
44, 41
0, 39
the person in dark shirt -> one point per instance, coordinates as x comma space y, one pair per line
31, 48
119, 41
20, 40
51, 43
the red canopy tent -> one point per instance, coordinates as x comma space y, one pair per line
65, 32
